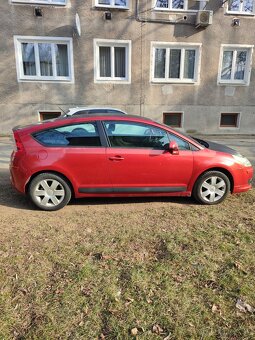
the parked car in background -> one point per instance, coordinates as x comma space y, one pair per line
102, 155
90, 110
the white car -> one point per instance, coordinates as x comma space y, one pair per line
89, 109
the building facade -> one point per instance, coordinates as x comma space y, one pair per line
187, 63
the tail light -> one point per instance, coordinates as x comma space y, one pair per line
18, 143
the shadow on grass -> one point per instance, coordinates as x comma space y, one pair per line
9, 197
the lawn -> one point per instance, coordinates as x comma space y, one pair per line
145, 269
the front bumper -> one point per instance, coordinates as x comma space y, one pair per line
243, 179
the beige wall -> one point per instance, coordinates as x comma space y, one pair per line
201, 104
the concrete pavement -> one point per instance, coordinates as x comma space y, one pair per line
6, 146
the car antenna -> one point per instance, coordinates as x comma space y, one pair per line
61, 109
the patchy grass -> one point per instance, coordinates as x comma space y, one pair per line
155, 269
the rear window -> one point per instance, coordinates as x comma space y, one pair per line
70, 135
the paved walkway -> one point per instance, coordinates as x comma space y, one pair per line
6, 146
244, 144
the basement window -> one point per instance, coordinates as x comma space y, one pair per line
230, 120
45, 115
173, 119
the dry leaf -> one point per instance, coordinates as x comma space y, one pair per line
129, 300
214, 308
244, 307
168, 337
157, 329
134, 331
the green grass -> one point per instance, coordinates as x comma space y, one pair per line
98, 271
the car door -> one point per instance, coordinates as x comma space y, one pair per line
76, 151
139, 159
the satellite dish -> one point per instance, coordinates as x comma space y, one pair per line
78, 24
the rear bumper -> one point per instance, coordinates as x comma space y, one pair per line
18, 179
243, 180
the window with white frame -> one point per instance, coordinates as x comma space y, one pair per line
43, 2
235, 64
112, 60
241, 6
44, 58
112, 3
176, 5
175, 63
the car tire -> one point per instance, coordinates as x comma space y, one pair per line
211, 188
49, 191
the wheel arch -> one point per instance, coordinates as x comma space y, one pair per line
223, 170
51, 172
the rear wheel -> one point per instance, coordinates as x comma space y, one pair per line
49, 191
211, 188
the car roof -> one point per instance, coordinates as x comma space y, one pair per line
79, 117
106, 115
73, 110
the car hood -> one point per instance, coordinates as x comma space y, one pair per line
216, 146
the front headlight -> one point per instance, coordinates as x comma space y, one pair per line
242, 160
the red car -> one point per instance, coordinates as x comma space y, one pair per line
100, 155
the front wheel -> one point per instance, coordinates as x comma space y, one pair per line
49, 191
211, 188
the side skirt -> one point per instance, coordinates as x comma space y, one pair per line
131, 190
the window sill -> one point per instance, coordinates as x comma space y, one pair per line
229, 127
112, 81
59, 81
111, 7
240, 13
38, 3
175, 10
232, 84
180, 82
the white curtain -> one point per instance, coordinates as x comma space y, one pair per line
189, 64
62, 60
45, 57
174, 63
160, 61
105, 61
120, 62
28, 58
240, 64
227, 65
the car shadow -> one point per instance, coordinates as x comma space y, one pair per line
132, 200
9, 197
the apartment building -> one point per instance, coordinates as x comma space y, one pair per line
187, 63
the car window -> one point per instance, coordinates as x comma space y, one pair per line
182, 144
136, 135
70, 135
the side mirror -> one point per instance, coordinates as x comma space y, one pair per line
173, 148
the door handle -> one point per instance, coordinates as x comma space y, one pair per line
116, 158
